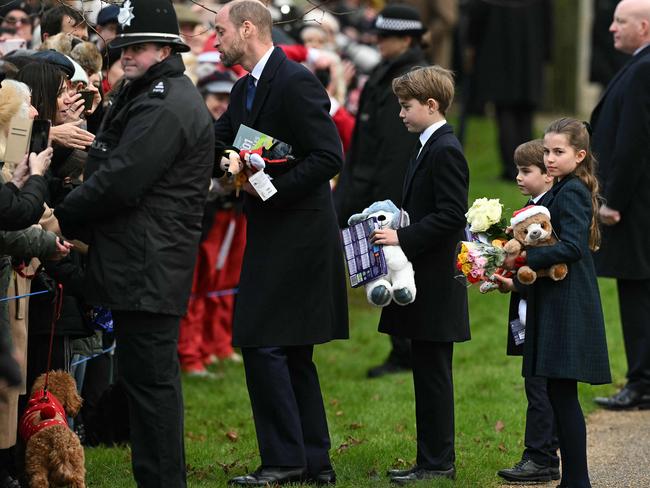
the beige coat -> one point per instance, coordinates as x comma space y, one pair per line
18, 314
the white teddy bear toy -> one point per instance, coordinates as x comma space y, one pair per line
399, 283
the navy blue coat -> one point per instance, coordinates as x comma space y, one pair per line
435, 197
292, 289
565, 331
621, 143
513, 309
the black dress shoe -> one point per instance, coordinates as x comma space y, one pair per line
387, 368
625, 399
529, 470
419, 474
270, 477
323, 477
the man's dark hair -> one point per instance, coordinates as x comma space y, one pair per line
53, 18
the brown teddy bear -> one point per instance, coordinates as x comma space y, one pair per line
531, 227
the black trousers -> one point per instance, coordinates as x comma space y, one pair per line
634, 300
287, 405
147, 365
515, 127
400, 352
540, 441
434, 403
572, 432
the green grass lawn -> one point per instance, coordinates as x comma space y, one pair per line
372, 422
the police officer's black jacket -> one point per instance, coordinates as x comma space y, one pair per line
141, 204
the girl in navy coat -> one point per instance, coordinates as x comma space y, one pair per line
565, 332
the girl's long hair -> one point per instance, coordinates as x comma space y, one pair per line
578, 136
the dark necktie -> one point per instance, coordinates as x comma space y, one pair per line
250, 93
412, 161
416, 151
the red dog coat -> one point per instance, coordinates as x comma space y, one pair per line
42, 411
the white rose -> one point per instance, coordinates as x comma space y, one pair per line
479, 223
475, 208
493, 210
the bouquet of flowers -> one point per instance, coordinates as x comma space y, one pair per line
486, 221
477, 262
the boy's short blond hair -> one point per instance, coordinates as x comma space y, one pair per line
531, 153
427, 82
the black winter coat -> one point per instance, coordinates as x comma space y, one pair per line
374, 168
511, 41
292, 287
621, 143
144, 190
21, 208
73, 321
435, 197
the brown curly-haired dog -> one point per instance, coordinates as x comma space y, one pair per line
53, 454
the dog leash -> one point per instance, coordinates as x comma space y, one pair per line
56, 314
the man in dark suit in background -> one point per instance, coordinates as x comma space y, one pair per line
292, 291
620, 141
508, 43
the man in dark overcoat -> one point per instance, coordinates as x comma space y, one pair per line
509, 42
140, 210
374, 168
620, 142
292, 291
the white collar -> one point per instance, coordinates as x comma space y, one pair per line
539, 197
641, 49
334, 106
428, 132
259, 67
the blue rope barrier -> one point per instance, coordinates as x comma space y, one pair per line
85, 359
24, 296
222, 293
217, 293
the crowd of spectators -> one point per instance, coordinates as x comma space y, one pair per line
56, 64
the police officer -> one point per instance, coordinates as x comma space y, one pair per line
140, 210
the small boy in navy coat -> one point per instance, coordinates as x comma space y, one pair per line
539, 461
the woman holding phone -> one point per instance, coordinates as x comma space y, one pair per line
54, 102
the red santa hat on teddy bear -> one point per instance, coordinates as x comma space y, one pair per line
520, 215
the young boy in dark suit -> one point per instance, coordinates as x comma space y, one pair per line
435, 197
539, 461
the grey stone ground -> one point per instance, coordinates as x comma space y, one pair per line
618, 446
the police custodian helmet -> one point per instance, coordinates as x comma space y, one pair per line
398, 20
148, 21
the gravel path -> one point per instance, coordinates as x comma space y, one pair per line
619, 450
